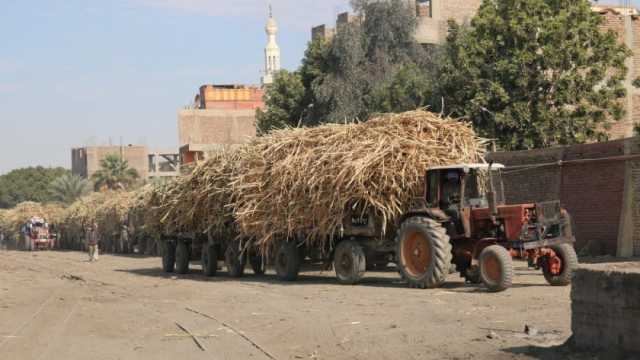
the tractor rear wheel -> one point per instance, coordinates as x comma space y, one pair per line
349, 262
568, 263
168, 256
182, 257
287, 262
496, 268
423, 252
209, 260
234, 261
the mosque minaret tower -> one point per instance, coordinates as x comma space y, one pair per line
271, 51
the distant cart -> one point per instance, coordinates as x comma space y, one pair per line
37, 235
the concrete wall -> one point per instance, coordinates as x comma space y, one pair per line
605, 308
432, 24
599, 184
86, 161
216, 126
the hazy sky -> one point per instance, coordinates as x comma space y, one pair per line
78, 72
90, 72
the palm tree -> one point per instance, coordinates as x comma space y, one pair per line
68, 188
114, 174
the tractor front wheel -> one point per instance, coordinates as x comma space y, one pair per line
287, 262
209, 260
559, 269
349, 262
496, 268
423, 252
182, 257
168, 256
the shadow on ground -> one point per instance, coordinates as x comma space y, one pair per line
567, 351
387, 279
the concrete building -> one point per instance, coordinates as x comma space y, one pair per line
223, 115
271, 51
433, 15
85, 161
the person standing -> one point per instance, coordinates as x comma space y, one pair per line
92, 242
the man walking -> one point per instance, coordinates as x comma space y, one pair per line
92, 242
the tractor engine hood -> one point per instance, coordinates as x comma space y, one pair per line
513, 218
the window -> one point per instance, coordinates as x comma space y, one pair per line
432, 189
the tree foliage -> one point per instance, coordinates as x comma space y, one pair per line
534, 73
346, 78
69, 188
114, 174
284, 102
28, 184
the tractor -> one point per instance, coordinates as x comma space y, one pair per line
37, 235
461, 223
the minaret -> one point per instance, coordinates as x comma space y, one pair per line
272, 51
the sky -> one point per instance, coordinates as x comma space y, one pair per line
98, 72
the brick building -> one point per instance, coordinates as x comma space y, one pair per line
223, 115
432, 17
85, 161
599, 184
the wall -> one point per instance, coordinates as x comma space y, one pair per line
593, 191
605, 309
433, 29
216, 126
86, 161
238, 97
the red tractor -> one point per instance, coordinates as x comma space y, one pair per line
37, 235
463, 220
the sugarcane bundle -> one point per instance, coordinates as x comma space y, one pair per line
300, 181
197, 203
112, 214
13, 219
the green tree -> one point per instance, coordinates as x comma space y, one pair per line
534, 73
367, 58
284, 100
114, 174
363, 69
69, 188
28, 184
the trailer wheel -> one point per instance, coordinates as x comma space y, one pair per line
182, 257
168, 256
349, 262
287, 261
423, 253
568, 263
234, 262
496, 268
209, 260
257, 264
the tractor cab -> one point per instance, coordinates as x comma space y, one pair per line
460, 191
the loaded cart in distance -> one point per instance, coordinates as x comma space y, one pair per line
463, 221
37, 235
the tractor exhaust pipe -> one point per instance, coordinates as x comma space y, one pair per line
491, 196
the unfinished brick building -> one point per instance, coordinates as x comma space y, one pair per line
433, 15
222, 115
85, 161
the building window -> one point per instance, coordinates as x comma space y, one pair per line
424, 8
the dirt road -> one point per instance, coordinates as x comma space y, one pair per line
56, 305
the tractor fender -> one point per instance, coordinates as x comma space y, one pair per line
435, 214
479, 246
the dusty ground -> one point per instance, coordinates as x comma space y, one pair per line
56, 305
